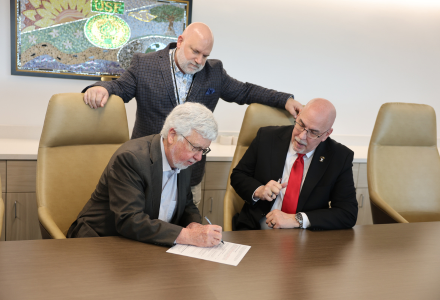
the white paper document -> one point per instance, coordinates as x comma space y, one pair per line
228, 253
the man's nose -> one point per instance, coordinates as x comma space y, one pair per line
199, 59
198, 156
303, 134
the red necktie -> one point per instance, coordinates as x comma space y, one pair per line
290, 201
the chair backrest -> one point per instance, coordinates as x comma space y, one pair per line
2, 208
75, 146
403, 165
256, 116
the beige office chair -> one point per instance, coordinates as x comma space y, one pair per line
2, 208
403, 165
75, 147
256, 116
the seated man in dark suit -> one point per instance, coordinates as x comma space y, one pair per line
144, 192
296, 176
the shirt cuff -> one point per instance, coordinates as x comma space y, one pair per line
306, 222
255, 199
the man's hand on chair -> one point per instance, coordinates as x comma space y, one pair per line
96, 96
293, 106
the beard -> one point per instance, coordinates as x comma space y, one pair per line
179, 164
185, 64
304, 143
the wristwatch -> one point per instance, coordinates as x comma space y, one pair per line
299, 218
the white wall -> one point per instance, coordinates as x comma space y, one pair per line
358, 54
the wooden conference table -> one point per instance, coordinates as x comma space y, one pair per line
395, 261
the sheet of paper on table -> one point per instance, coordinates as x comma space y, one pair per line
228, 253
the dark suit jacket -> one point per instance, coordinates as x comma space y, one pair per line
150, 80
329, 180
126, 200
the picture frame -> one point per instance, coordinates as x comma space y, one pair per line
90, 39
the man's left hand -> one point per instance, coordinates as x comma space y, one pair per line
279, 219
293, 106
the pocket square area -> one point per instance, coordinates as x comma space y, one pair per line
210, 91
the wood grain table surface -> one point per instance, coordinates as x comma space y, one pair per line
394, 261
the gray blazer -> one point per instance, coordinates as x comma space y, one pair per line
150, 80
126, 200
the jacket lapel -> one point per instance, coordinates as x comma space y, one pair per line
316, 170
156, 172
279, 150
198, 79
165, 68
181, 197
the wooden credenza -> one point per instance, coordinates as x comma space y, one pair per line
21, 218
18, 192
213, 191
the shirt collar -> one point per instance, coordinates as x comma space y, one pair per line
293, 152
174, 65
165, 164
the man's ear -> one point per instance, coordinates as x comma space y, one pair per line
171, 135
326, 135
179, 41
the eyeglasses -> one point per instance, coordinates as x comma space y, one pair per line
310, 133
197, 149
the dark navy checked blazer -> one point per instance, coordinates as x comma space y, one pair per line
149, 79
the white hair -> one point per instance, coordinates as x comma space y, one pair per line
191, 116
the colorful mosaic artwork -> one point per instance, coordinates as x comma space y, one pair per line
85, 38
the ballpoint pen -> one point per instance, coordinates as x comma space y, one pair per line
211, 224
279, 181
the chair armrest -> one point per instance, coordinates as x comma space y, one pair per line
49, 224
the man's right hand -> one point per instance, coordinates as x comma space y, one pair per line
96, 96
269, 191
200, 235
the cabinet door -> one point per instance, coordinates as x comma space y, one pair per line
21, 176
355, 173
364, 214
362, 177
213, 206
216, 176
22, 217
2, 234
3, 175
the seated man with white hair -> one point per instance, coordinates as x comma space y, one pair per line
144, 192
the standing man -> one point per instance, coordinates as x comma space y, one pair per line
296, 176
177, 74
144, 192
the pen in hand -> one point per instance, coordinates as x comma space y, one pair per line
279, 181
206, 218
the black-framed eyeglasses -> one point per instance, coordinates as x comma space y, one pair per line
310, 133
197, 149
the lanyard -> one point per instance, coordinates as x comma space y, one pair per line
175, 82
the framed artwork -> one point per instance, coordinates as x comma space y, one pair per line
89, 39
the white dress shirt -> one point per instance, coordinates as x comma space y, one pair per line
290, 159
168, 199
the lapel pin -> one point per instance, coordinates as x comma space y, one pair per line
321, 159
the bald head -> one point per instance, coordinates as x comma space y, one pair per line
321, 110
194, 46
199, 31
314, 125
